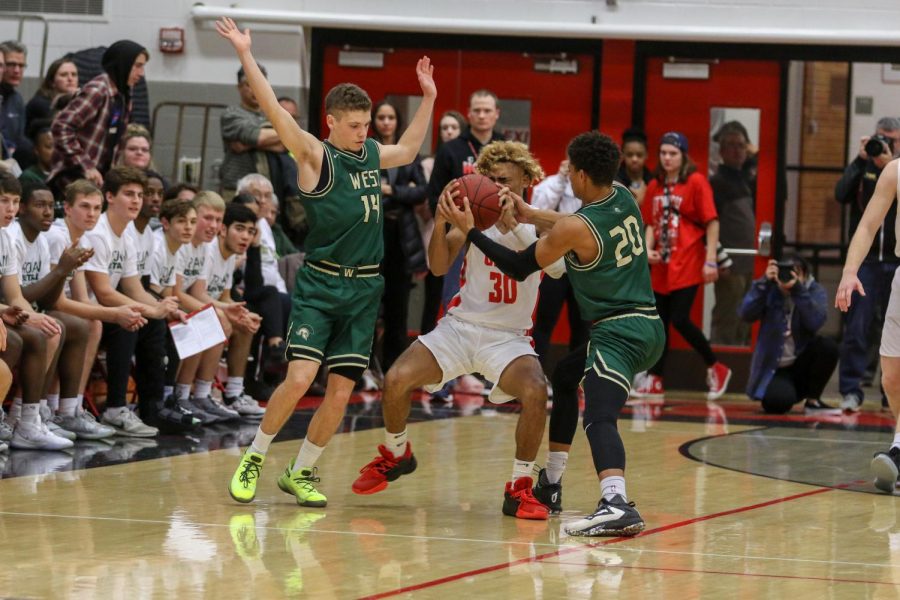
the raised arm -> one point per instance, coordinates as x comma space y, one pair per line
303, 145
407, 148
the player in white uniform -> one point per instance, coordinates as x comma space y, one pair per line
885, 465
484, 331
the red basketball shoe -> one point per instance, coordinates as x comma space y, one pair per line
717, 376
519, 501
649, 388
383, 469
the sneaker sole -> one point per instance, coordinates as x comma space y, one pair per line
413, 464
885, 472
309, 503
599, 531
241, 500
381, 486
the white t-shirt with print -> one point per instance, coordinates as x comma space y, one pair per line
219, 271
194, 261
59, 240
144, 246
269, 257
8, 265
163, 265
112, 253
32, 258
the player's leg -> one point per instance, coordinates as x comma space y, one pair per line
563, 422
280, 407
524, 379
92, 344
618, 349
416, 367
886, 465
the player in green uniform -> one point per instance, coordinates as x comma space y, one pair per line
607, 264
337, 292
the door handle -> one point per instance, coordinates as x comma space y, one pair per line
763, 243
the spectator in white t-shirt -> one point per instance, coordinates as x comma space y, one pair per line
140, 230
38, 333
82, 202
43, 286
114, 280
214, 287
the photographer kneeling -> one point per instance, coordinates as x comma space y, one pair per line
790, 362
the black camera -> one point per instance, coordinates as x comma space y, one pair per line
878, 145
785, 270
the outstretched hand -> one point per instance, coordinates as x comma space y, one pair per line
843, 298
425, 73
229, 30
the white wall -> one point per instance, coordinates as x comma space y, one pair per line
868, 80
208, 59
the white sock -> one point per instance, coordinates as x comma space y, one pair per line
234, 386
168, 390
308, 455
42, 403
896, 443
182, 391
395, 442
53, 402
115, 411
202, 389
15, 411
521, 468
31, 413
610, 486
261, 442
556, 465
68, 406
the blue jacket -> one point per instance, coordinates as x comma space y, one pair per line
765, 302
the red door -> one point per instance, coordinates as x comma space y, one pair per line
685, 105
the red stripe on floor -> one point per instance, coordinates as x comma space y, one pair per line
569, 550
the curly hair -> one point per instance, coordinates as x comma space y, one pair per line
597, 155
510, 152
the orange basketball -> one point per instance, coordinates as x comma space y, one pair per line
484, 199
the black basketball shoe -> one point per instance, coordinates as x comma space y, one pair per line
615, 517
548, 494
886, 468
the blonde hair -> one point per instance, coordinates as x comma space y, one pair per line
209, 199
510, 152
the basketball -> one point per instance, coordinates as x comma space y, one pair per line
484, 199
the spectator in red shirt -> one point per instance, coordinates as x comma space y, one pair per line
87, 131
682, 234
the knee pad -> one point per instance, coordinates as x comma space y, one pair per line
354, 374
603, 399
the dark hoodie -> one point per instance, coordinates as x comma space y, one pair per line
117, 62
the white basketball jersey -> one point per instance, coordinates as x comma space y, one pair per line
489, 297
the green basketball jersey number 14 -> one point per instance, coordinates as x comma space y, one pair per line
345, 216
618, 279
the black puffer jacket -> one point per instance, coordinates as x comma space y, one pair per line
409, 189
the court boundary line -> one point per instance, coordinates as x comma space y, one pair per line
607, 542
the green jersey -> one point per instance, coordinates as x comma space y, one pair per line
344, 216
618, 280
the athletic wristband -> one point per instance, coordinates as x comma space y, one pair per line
711, 264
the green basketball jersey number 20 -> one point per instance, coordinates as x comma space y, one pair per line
618, 279
345, 217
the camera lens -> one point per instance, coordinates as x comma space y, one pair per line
876, 146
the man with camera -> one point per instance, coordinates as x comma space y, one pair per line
790, 362
855, 188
